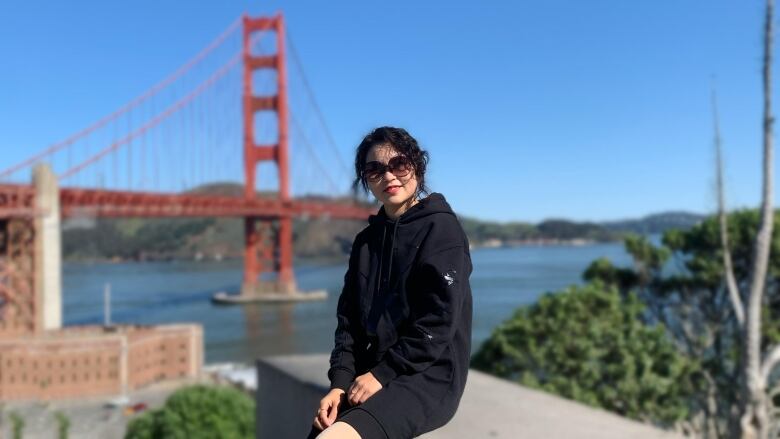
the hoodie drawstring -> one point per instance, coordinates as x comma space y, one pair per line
382, 255
392, 251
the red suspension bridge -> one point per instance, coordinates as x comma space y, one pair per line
144, 159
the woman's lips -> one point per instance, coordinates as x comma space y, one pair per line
393, 190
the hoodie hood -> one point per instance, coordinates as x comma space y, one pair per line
433, 203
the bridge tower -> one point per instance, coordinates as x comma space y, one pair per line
30, 252
267, 240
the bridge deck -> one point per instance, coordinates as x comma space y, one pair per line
18, 200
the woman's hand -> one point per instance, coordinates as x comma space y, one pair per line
329, 409
363, 388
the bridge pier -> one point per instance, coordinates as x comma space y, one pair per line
269, 251
48, 250
271, 291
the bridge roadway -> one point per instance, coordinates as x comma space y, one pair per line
17, 200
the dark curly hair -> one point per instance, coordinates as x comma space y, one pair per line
399, 140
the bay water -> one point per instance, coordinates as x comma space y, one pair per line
180, 291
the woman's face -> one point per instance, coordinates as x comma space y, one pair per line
390, 189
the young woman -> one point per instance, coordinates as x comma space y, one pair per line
403, 339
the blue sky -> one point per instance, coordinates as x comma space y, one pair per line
589, 110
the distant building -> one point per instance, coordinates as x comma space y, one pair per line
90, 361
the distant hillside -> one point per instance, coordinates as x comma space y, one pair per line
237, 190
199, 238
562, 230
656, 223
219, 238
548, 231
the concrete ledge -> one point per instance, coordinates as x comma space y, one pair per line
290, 387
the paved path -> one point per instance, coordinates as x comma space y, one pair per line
90, 418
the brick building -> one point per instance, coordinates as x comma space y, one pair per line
96, 361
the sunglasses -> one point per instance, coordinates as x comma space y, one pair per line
398, 166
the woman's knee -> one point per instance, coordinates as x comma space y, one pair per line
339, 430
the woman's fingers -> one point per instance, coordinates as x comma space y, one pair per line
322, 416
355, 398
328, 410
331, 414
317, 423
351, 391
322, 412
363, 388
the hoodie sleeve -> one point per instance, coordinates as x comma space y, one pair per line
342, 358
433, 319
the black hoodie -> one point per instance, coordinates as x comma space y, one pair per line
406, 303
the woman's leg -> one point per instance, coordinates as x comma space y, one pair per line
339, 430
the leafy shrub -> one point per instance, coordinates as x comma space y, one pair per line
17, 425
198, 412
63, 425
588, 344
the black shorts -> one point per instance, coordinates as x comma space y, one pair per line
361, 420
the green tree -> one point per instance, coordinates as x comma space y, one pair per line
589, 344
197, 412
682, 284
